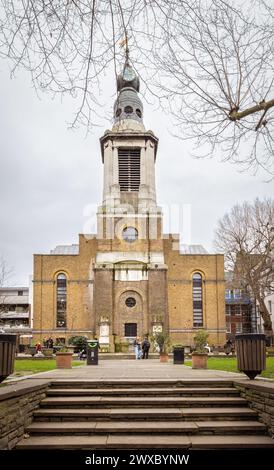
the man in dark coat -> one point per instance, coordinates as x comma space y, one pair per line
145, 347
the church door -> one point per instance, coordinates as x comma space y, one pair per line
131, 329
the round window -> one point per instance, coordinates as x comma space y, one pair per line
130, 302
130, 234
128, 110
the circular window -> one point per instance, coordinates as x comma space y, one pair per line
128, 110
130, 302
130, 234
118, 112
139, 113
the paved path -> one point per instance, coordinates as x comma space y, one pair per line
130, 369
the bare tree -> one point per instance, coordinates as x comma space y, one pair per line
5, 273
209, 62
246, 237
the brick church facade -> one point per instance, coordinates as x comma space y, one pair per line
129, 279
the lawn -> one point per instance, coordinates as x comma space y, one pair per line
230, 364
33, 366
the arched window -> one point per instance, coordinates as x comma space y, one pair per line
197, 294
61, 317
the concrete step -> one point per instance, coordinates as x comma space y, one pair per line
143, 427
163, 441
117, 402
172, 391
126, 414
141, 383
232, 442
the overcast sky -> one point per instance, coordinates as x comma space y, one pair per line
49, 175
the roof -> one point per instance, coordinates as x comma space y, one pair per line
65, 250
193, 250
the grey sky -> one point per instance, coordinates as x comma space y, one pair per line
49, 174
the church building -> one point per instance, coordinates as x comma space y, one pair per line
129, 279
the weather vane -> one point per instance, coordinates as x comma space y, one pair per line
124, 43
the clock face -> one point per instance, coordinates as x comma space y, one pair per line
128, 74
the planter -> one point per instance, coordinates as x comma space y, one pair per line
178, 355
124, 347
31, 350
163, 357
199, 360
48, 352
64, 360
251, 353
7, 355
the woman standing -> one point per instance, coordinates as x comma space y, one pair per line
137, 348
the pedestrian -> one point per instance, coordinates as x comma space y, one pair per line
228, 347
137, 348
38, 348
145, 348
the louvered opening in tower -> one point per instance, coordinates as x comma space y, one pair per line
129, 169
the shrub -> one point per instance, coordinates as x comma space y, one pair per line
79, 342
200, 341
163, 341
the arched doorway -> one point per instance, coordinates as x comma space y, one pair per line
130, 315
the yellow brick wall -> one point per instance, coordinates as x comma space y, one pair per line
180, 303
172, 287
79, 292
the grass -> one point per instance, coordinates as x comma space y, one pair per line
33, 366
229, 364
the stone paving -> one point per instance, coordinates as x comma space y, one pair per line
130, 369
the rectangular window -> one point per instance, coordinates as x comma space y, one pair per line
228, 327
238, 310
237, 293
227, 293
227, 309
239, 327
270, 306
129, 169
20, 292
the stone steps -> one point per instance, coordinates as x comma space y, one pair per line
186, 414
138, 392
144, 414
147, 427
117, 402
164, 441
135, 384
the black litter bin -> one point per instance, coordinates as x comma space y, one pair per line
92, 352
251, 353
178, 355
7, 355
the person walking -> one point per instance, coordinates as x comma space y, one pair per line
137, 348
145, 348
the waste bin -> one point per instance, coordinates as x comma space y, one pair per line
251, 353
92, 352
7, 355
178, 355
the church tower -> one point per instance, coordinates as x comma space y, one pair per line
130, 257
128, 279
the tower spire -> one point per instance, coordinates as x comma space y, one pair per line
128, 105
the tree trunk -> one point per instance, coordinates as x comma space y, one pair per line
266, 317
